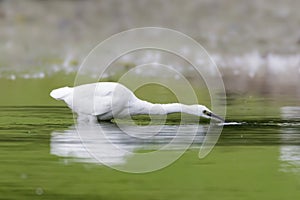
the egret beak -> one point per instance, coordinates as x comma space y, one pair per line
214, 116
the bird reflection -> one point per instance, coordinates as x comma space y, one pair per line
112, 144
290, 151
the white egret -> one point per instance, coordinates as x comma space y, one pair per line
108, 100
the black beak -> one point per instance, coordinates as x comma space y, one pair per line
213, 116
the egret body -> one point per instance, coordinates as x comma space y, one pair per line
108, 100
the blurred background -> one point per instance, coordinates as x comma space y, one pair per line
255, 44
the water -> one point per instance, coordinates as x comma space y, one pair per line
42, 156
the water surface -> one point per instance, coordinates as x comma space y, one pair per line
42, 156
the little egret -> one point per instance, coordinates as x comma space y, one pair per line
108, 100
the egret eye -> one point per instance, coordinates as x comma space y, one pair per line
207, 113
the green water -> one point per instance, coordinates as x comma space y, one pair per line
258, 159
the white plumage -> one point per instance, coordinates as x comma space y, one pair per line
108, 100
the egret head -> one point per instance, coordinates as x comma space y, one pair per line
207, 113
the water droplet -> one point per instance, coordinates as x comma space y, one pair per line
39, 191
23, 176
12, 77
